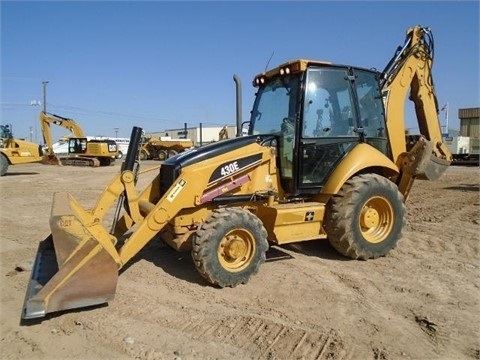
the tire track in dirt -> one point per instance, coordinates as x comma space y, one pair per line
259, 337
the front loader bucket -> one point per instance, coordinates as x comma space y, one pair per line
73, 268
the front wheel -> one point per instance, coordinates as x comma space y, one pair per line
365, 219
143, 155
229, 247
3, 164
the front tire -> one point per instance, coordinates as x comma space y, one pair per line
229, 247
143, 155
3, 165
365, 219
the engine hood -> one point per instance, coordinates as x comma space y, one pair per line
209, 151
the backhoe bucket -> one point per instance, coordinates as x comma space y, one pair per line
73, 267
422, 162
51, 160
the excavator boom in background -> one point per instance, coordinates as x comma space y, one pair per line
81, 151
325, 158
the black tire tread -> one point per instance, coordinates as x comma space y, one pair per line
203, 251
340, 212
3, 164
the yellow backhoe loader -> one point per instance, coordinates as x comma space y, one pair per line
81, 151
325, 158
15, 151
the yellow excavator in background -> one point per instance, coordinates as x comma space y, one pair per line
326, 158
15, 151
81, 151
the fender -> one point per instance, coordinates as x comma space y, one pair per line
363, 156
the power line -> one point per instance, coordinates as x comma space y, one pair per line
84, 111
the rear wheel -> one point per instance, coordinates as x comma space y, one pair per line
119, 155
365, 219
172, 153
229, 247
3, 165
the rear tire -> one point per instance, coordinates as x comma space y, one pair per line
119, 155
229, 247
3, 164
365, 219
172, 153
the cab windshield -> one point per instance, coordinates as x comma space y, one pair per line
274, 112
275, 104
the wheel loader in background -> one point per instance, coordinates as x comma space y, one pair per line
81, 151
15, 151
325, 158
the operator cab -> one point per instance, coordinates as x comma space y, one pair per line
319, 112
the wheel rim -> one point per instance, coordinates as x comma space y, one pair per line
236, 250
376, 219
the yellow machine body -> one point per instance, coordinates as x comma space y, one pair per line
227, 201
15, 151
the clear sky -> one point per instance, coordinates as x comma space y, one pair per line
160, 64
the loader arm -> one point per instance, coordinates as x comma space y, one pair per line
411, 70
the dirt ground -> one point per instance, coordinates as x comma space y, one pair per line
422, 301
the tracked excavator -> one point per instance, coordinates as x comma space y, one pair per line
81, 151
326, 158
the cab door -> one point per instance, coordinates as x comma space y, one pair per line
341, 108
328, 126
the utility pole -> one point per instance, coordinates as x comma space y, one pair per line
44, 83
116, 131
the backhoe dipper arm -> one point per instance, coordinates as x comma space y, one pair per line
411, 69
